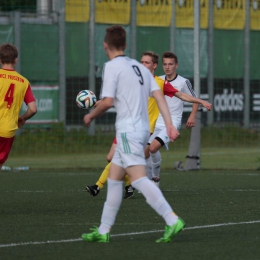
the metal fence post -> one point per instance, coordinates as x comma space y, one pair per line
92, 73
247, 67
17, 38
210, 116
62, 64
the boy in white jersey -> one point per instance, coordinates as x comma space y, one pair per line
127, 85
150, 61
175, 105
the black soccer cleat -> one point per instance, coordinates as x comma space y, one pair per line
156, 181
129, 192
93, 190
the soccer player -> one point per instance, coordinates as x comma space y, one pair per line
150, 60
14, 89
127, 85
173, 81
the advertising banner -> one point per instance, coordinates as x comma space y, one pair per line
229, 14
77, 10
113, 12
154, 13
47, 104
185, 14
255, 15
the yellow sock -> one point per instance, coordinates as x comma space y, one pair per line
103, 177
127, 180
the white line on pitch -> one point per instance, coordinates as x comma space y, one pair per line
126, 234
43, 191
164, 190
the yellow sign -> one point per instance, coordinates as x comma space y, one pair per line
154, 13
229, 14
255, 14
113, 11
77, 10
184, 10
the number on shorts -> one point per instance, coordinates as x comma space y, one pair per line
9, 96
139, 74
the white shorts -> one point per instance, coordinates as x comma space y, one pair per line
161, 132
130, 149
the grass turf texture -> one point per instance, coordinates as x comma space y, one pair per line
51, 205
226, 147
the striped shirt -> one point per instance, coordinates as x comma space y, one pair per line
175, 104
14, 89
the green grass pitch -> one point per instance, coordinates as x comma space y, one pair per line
44, 212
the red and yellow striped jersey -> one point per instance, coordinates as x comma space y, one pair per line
13, 89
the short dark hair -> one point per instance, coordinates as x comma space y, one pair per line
155, 56
8, 53
116, 37
171, 55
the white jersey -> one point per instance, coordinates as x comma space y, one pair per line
175, 104
130, 84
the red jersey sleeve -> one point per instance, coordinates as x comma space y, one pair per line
114, 141
169, 90
29, 97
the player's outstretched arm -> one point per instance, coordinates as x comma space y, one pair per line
191, 99
101, 108
161, 102
30, 112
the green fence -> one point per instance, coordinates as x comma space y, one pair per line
47, 142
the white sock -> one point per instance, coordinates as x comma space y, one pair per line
156, 163
170, 219
149, 168
155, 199
111, 206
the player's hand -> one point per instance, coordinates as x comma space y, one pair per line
191, 122
207, 105
21, 121
87, 120
172, 132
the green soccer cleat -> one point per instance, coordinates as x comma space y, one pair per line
171, 231
95, 236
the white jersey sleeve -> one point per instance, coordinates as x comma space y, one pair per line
187, 88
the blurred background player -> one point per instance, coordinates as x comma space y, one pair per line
150, 60
175, 103
14, 89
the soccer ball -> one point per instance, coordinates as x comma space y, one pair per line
86, 99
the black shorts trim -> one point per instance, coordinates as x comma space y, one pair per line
159, 140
